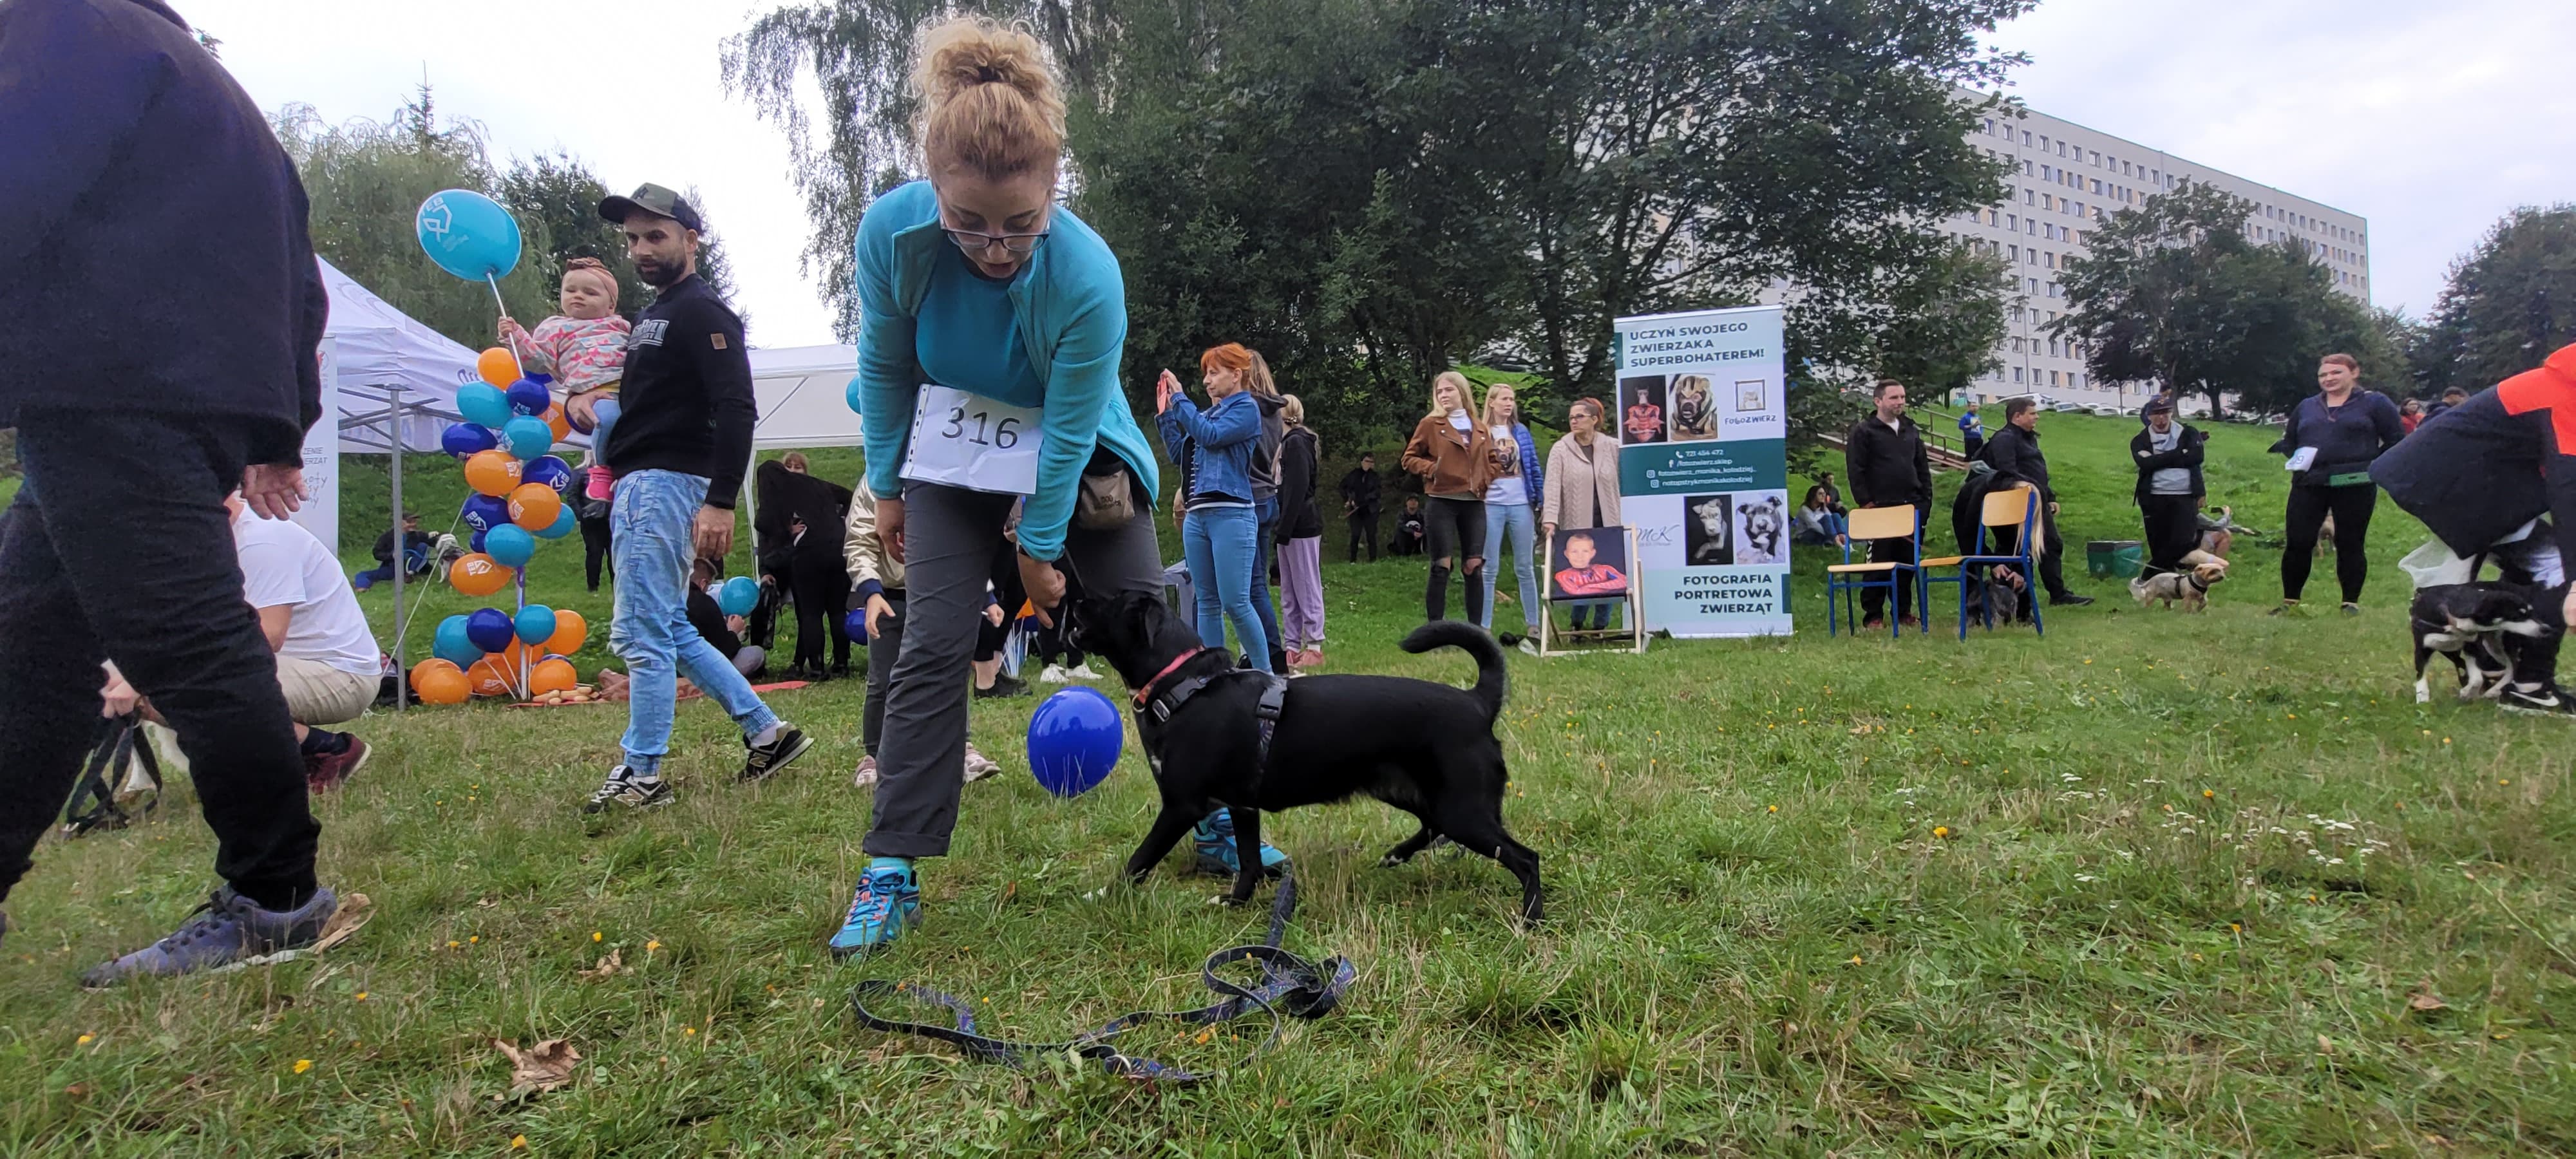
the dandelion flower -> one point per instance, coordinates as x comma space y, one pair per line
2206, 794
2235, 928
85, 1040
594, 935
302, 1065
688, 1030
361, 996
452, 944
1940, 830
477, 938
1775, 808
1855, 959
518, 1142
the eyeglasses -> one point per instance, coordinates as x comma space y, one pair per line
1017, 244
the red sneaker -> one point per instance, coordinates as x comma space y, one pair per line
325, 772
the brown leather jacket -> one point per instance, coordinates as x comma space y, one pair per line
1453, 462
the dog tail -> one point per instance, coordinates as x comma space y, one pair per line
1491, 679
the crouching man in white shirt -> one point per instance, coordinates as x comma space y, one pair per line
327, 660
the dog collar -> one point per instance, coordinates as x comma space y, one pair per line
1146, 693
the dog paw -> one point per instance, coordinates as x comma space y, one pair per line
1229, 900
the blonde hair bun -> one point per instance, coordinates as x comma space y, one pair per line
990, 101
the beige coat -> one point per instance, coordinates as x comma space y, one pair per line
1568, 475
860, 547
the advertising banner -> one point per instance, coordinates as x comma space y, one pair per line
1704, 469
321, 511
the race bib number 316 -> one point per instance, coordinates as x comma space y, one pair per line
966, 440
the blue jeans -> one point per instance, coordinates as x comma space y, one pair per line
650, 522
1266, 544
1510, 521
1218, 543
1601, 615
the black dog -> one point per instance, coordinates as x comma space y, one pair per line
2471, 623
1428, 749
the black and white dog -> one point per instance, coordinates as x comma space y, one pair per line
1428, 749
2471, 623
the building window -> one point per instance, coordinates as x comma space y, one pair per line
2043, 142
2017, 374
2052, 259
2053, 379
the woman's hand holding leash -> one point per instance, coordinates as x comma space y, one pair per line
1045, 586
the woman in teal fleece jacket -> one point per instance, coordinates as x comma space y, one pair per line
979, 293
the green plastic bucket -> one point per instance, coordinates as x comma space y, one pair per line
2107, 558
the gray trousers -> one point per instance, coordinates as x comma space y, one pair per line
883, 647
949, 536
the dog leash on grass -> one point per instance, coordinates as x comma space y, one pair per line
1289, 985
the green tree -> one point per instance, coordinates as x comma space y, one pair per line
2175, 293
2509, 303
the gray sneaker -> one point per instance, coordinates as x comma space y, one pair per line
624, 788
228, 928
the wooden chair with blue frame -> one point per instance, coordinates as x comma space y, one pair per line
1868, 524
2016, 507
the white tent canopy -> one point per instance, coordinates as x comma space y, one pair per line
803, 394
378, 347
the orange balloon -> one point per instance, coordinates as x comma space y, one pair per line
552, 675
479, 575
498, 367
534, 506
491, 677
440, 682
494, 473
558, 422
570, 632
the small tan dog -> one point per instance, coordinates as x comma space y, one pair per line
2190, 586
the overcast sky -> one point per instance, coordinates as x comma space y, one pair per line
2429, 120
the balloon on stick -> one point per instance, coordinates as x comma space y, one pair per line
562, 526
528, 437
488, 628
438, 681
493, 473
483, 404
552, 674
464, 440
739, 595
1074, 739
453, 643
468, 235
492, 676
571, 630
510, 545
497, 366
478, 575
558, 422
548, 470
534, 506
535, 624
528, 397
484, 512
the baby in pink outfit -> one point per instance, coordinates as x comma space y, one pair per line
584, 348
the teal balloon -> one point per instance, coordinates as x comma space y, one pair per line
483, 404
528, 437
536, 624
452, 644
509, 545
851, 396
468, 235
739, 596
563, 524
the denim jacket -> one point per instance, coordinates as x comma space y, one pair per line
1214, 446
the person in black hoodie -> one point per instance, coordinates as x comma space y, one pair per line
1362, 494
1885, 458
2014, 454
2168, 454
394, 549
2479, 474
164, 310
2338, 431
800, 522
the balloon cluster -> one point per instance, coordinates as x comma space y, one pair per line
482, 652
519, 489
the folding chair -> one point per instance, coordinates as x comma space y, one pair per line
2016, 507
1870, 524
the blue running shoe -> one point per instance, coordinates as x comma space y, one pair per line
227, 929
1214, 840
889, 899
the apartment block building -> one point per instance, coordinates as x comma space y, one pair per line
2067, 181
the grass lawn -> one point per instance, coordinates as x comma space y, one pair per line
2155, 884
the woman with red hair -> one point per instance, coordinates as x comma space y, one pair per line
1219, 529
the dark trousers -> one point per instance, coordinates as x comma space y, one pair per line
2052, 558
777, 587
1265, 606
1873, 601
1363, 531
948, 553
2351, 508
594, 547
2173, 530
883, 646
119, 548
1454, 530
1969, 445
822, 584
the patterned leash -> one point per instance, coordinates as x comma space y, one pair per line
1289, 985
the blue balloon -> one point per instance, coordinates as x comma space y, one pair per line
1073, 741
548, 470
484, 512
483, 404
855, 626
851, 396
489, 628
528, 397
462, 439
536, 624
563, 524
509, 545
454, 644
476, 543
528, 437
468, 235
739, 595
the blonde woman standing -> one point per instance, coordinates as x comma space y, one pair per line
1301, 540
1582, 492
1509, 526
1455, 457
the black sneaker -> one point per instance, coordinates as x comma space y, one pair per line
1004, 685
1508, 639
765, 759
2537, 702
2351, 609
2069, 600
623, 788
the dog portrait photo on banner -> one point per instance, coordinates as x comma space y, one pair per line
1704, 470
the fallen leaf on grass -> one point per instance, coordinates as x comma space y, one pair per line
2325, 1045
2426, 1000
542, 1067
344, 923
610, 966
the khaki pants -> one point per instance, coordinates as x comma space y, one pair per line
318, 694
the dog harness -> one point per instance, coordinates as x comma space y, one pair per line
1160, 703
